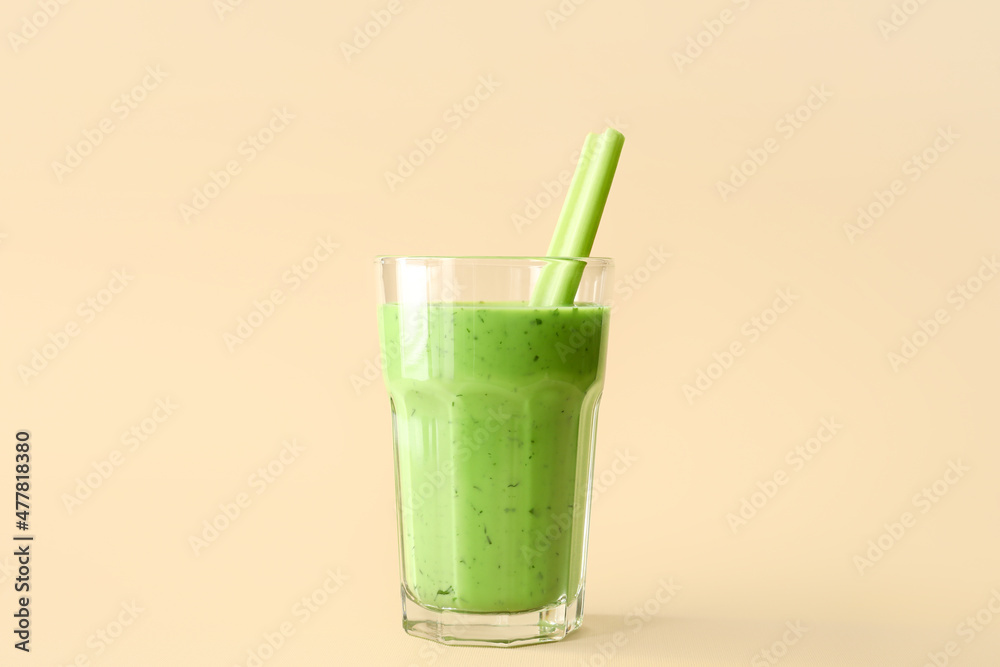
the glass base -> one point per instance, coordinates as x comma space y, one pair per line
457, 628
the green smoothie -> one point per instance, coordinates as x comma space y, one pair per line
494, 408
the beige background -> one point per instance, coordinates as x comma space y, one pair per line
886, 95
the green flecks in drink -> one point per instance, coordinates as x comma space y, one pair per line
501, 435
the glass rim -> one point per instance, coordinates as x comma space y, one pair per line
379, 259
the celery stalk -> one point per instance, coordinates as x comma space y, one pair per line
578, 221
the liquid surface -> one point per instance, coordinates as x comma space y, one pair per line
494, 409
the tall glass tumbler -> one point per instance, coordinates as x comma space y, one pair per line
494, 413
